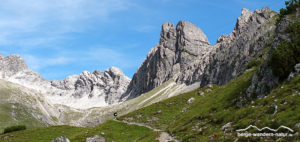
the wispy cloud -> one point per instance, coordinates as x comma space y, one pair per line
106, 57
37, 63
50, 19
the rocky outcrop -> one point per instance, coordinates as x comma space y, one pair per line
177, 56
264, 80
185, 55
252, 32
61, 139
89, 89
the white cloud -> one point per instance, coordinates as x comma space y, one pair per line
37, 63
46, 20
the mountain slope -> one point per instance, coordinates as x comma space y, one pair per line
198, 120
20, 105
209, 113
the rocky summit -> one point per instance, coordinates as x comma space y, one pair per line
89, 89
185, 55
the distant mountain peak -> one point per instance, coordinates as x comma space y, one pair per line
89, 89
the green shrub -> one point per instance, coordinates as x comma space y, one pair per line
14, 128
254, 63
284, 58
287, 54
291, 7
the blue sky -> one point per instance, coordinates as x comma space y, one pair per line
58, 38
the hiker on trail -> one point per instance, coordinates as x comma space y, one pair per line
115, 115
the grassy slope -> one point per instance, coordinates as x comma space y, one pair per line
14, 113
157, 94
111, 130
194, 122
209, 113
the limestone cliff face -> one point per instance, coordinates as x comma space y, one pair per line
179, 51
185, 55
264, 80
89, 89
252, 32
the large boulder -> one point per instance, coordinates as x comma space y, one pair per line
61, 139
96, 138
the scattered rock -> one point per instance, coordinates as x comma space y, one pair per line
159, 112
61, 139
210, 86
201, 93
291, 76
296, 73
183, 109
200, 131
297, 69
226, 126
102, 133
297, 125
272, 109
191, 100
208, 90
95, 138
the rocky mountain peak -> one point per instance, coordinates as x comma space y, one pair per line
11, 65
243, 19
175, 57
247, 22
103, 87
168, 36
190, 38
191, 32
114, 71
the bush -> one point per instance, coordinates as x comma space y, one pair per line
291, 7
287, 54
284, 58
254, 63
14, 128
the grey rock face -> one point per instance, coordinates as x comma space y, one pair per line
264, 81
95, 138
185, 55
177, 56
230, 57
61, 139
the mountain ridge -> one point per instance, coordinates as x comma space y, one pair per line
95, 89
185, 54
